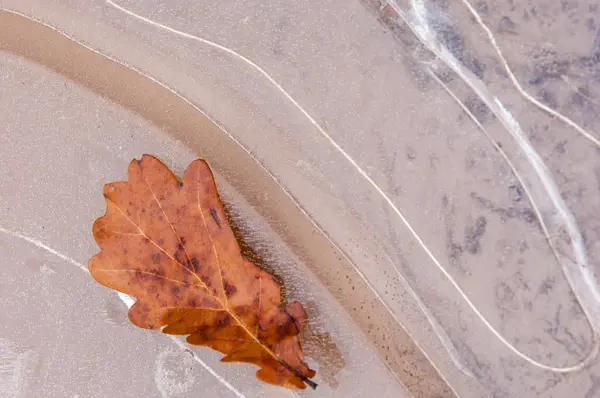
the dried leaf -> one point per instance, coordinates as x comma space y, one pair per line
168, 243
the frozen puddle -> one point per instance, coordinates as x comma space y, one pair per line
434, 216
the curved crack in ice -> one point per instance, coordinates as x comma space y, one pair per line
435, 325
516, 83
127, 300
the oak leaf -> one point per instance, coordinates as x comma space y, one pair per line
167, 242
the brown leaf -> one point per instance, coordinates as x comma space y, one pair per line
168, 243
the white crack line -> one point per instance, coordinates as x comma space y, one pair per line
518, 86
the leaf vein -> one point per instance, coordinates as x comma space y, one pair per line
216, 254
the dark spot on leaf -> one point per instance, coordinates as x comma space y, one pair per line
175, 290
225, 321
293, 319
194, 265
205, 280
229, 288
138, 276
178, 257
180, 246
282, 331
160, 241
156, 258
179, 184
191, 302
213, 214
183, 241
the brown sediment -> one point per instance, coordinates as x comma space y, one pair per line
172, 114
